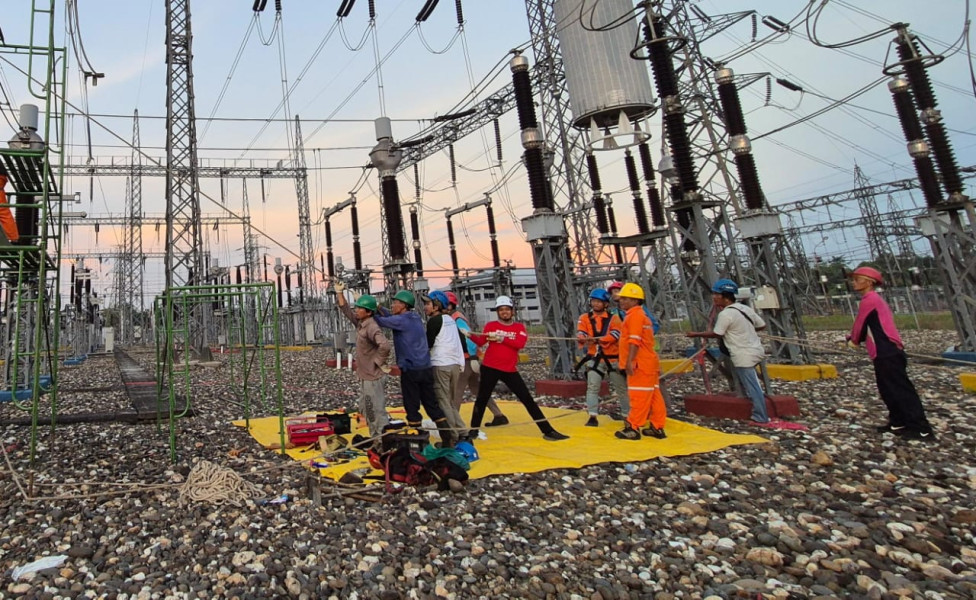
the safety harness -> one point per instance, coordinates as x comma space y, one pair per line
595, 360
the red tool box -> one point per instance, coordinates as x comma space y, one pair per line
307, 429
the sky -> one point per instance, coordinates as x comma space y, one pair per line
426, 71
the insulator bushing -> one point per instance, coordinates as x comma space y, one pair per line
450, 152
538, 183
640, 214
680, 146
328, 233
416, 178
928, 180
647, 165
523, 92
394, 218
459, 12
372, 9
594, 172
749, 181
660, 55
450, 243
414, 224
601, 214
330, 263
657, 207
492, 233
905, 108
908, 52
498, 139
944, 157
728, 96
356, 248
611, 218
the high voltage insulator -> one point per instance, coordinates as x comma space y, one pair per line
450, 152
493, 237
459, 12
330, 262
498, 139
344, 8
639, 212
415, 236
917, 146
357, 252
599, 205
612, 221
394, 217
674, 112
372, 10
450, 242
531, 137
522, 85
735, 123
925, 100
653, 196
416, 180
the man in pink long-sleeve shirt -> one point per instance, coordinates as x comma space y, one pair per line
875, 325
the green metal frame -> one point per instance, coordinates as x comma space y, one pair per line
244, 305
36, 268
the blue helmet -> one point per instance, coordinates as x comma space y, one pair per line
439, 297
725, 286
600, 294
467, 450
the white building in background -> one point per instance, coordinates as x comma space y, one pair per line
480, 286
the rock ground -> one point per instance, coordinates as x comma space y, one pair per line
837, 512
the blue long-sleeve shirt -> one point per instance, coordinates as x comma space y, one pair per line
409, 338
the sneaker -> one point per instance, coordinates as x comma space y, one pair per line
654, 432
914, 434
628, 434
616, 416
499, 420
889, 428
554, 436
592, 422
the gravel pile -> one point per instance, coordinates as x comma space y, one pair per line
836, 512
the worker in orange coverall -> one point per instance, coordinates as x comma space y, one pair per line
643, 369
7, 222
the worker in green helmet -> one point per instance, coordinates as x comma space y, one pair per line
372, 353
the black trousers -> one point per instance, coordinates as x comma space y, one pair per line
417, 386
514, 382
898, 393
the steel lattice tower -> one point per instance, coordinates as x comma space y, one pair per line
307, 255
184, 250
881, 250
133, 237
251, 260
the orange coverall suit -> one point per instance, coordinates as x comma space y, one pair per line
644, 385
6, 218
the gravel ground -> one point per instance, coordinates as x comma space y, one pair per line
839, 511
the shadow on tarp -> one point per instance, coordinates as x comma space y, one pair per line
519, 447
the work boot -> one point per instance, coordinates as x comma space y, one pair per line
447, 436
592, 422
654, 432
499, 420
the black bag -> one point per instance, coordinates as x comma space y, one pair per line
341, 423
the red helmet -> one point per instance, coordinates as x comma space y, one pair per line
869, 272
616, 285
452, 298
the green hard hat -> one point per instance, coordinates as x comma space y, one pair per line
405, 297
366, 301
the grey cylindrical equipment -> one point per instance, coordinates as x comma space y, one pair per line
27, 138
603, 79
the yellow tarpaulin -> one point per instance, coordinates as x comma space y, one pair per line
519, 447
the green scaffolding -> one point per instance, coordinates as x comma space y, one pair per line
244, 323
31, 266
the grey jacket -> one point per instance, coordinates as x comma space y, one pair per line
372, 347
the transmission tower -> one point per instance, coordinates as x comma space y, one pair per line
132, 298
184, 250
306, 272
876, 231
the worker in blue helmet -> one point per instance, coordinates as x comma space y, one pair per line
737, 327
447, 358
598, 334
413, 358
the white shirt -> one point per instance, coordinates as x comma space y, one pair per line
447, 349
737, 324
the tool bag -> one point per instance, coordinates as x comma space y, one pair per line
410, 468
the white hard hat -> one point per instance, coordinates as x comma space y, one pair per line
503, 301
